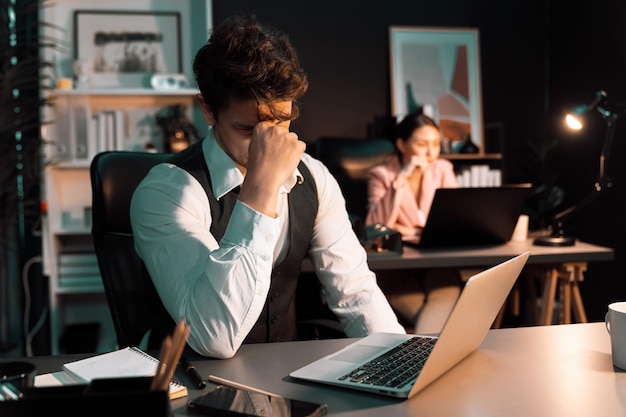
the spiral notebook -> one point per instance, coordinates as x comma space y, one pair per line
127, 362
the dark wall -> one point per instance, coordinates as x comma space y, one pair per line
588, 53
537, 58
344, 47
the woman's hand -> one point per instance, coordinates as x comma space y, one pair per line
416, 162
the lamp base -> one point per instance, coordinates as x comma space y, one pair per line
554, 241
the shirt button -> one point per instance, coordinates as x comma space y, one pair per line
269, 238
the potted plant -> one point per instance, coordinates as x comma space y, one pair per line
21, 103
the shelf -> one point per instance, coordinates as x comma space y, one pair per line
87, 121
471, 156
73, 232
80, 289
72, 164
125, 92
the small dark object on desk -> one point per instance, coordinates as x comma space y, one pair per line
239, 402
192, 373
380, 238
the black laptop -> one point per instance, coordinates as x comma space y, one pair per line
472, 216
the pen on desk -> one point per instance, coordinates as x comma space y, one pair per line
192, 373
233, 384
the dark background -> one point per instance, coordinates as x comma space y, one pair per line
537, 58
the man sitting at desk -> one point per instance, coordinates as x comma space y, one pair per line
224, 227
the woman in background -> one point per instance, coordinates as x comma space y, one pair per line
400, 194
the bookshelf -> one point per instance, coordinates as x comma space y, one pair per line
478, 170
69, 260
76, 134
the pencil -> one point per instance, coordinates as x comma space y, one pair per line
166, 346
178, 344
233, 384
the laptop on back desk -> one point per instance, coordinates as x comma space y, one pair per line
472, 216
360, 365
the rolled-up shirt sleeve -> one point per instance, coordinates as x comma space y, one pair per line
340, 261
219, 289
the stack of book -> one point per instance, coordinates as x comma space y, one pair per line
79, 270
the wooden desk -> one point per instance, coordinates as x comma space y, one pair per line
563, 370
538, 371
561, 267
484, 256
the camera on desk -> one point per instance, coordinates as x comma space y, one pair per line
377, 238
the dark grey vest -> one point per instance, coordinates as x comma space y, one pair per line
278, 318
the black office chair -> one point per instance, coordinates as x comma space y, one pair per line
133, 301
349, 160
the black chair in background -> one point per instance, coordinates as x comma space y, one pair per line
349, 160
133, 301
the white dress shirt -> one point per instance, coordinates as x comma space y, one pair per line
220, 289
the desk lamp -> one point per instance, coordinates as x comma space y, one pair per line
574, 120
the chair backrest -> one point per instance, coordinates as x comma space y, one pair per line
349, 160
133, 301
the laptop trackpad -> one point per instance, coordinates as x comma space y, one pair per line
357, 353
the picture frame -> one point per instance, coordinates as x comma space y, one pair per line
125, 48
438, 69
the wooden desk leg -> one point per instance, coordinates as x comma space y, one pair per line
498, 321
574, 274
513, 303
547, 299
565, 307
579, 310
531, 276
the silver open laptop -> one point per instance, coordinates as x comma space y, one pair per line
356, 366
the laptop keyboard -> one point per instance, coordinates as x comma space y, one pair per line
395, 368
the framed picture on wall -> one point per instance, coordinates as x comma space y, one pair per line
125, 48
438, 69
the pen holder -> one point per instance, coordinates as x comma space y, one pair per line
111, 396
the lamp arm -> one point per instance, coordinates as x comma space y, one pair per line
570, 212
611, 122
602, 184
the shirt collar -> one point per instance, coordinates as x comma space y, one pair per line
224, 173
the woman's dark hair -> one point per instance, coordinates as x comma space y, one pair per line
412, 121
246, 60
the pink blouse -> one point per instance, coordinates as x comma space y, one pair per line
389, 206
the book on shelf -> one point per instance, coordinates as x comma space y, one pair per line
83, 282
126, 362
93, 142
479, 175
119, 122
80, 145
109, 120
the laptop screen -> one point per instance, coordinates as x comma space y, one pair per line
473, 216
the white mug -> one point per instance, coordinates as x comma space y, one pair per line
615, 321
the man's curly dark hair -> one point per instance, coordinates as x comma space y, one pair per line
246, 60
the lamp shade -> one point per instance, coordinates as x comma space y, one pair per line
574, 119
